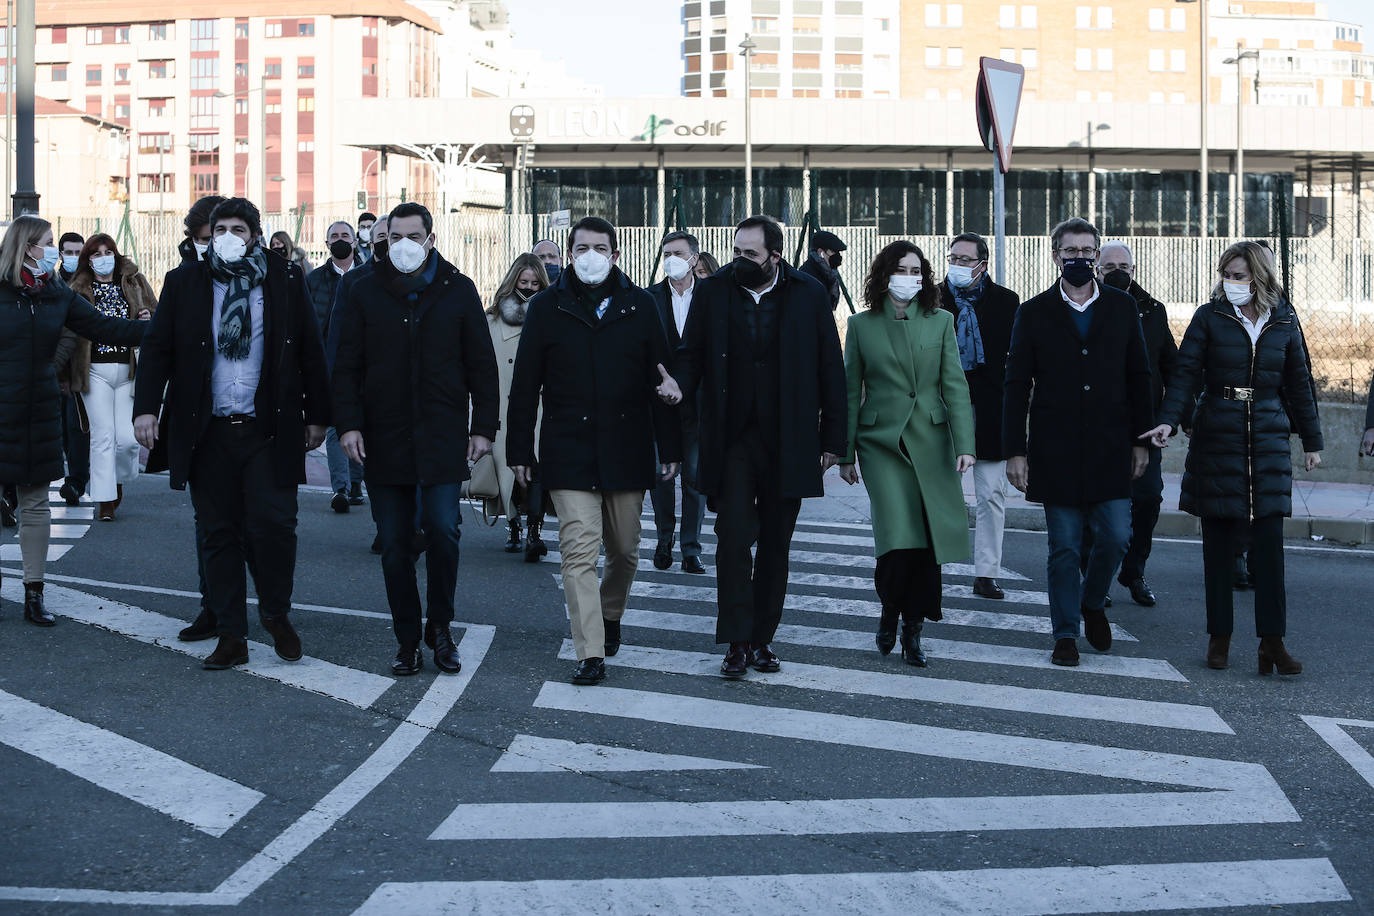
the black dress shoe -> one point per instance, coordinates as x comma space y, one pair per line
70, 494
408, 660
440, 640
231, 651
1140, 592
1065, 652
761, 658
984, 587
514, 543
590, 671
663, 553
203, 627
912, 653
1097, 629
612, 636
284, 637
355, 495
535, 548
692, 565
736, 664
34, 611
340, 502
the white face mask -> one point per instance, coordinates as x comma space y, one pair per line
592, 267
69, 262
200, 248
406, 255
103, 265
959, 276
675, 267
1237, 293
230, 247
904, 287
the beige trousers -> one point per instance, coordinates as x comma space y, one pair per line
35, 527
586, 520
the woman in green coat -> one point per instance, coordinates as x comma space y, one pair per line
911, 424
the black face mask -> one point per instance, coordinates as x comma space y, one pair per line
750, 273
1078, 271
523, 295
340, 249
379, 249
835, 260
554, 271
1117, 279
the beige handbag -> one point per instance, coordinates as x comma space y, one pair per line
482, 483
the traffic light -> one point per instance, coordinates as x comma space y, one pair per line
362, 200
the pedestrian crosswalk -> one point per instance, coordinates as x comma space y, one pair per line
67, 528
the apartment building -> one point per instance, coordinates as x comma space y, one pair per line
79, 158
231, 100
1305, 57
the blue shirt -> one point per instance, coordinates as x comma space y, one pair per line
234, 382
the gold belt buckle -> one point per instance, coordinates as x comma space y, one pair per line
1243, 394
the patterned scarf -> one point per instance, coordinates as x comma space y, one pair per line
966, 329
235, 317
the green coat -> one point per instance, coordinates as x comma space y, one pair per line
906, 386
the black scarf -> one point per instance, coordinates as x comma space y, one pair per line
398, 284
235, 316
591, 297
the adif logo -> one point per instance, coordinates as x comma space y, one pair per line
652, 127
656, 125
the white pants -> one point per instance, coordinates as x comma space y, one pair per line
114, 450
990, 492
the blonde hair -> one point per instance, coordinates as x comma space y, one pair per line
1260, 262
22, 235
522, 263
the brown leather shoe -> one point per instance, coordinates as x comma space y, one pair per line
1218, 649
284, 638
1273, 654
105, 512
227, 654
761, 658
736, 664
984, 587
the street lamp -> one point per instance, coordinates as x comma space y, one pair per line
262, 88
1092, 170
1204, 93
746, 50
1238, 227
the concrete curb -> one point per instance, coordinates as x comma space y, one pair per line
1352, 531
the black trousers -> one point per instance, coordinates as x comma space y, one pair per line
750, 512
1221, 539
1147, 495
241, 511
908, 581
76, 445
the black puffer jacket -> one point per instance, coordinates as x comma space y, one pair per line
30, 411
1239, 463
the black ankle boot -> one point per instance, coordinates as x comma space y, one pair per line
34, 611
534, 543
887, 630
911, 645
514, 543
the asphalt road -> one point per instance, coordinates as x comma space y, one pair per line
990, 782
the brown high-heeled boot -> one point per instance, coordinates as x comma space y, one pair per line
1272, 653
119, 497
1218, 648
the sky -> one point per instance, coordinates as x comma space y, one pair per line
633, 47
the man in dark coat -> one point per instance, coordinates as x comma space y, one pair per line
823, 263
235, 346
762, 352
345, 477
1116, 268
983, 315
593, 349
413, 350
673, 296
1077, 366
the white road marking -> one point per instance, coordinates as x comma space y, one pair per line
935, 690
359, 688
973, 892
68, 531
209, 803
1333, 732
532, 754
11, 552
73, 512
981, 653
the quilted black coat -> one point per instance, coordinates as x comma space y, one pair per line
1239, 461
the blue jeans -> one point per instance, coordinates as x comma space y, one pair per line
343, 471
664, 499
1070, 590
440, 513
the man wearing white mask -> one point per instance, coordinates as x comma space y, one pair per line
983, 315
593, 349
413, 351
673, 296
236, 349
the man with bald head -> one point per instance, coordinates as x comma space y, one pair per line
345, 477
1116, 267
551, 256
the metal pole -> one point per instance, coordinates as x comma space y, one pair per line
1238, 229
1203, 200
262, 177
949, 194
161, 171
1092, 179
25, 196
662, 204
999, 220
748, 132
9, 96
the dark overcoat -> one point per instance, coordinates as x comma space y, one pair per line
996, 310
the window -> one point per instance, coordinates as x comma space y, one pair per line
121, 74
159, 69
59, 34
123, 110
159, 108
1030, 58
58, 73
204, 34
305, 68
159, 31
1104, 96
272, 69
305, 29
1006, 17
954, 57
1157, 20
1083, 95
1156, 98
1176, 98
93, 77
932, 15
155, 183
240, 146
884, 25
240, 71
274, 29
1177, 20
1178, 60
95, 36
1082, 17
1083, 59
204, 73
806, 61
806, 25
932, 57
305, 103
693, 26
954, 15
204, 109
1007, 54
240, 106
154, 143
1104, 17
1028, 17
932, 95
305, 146
121, 34
1104, 58
274, 108
767, 24
240, 30
1156, 60
206, 183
